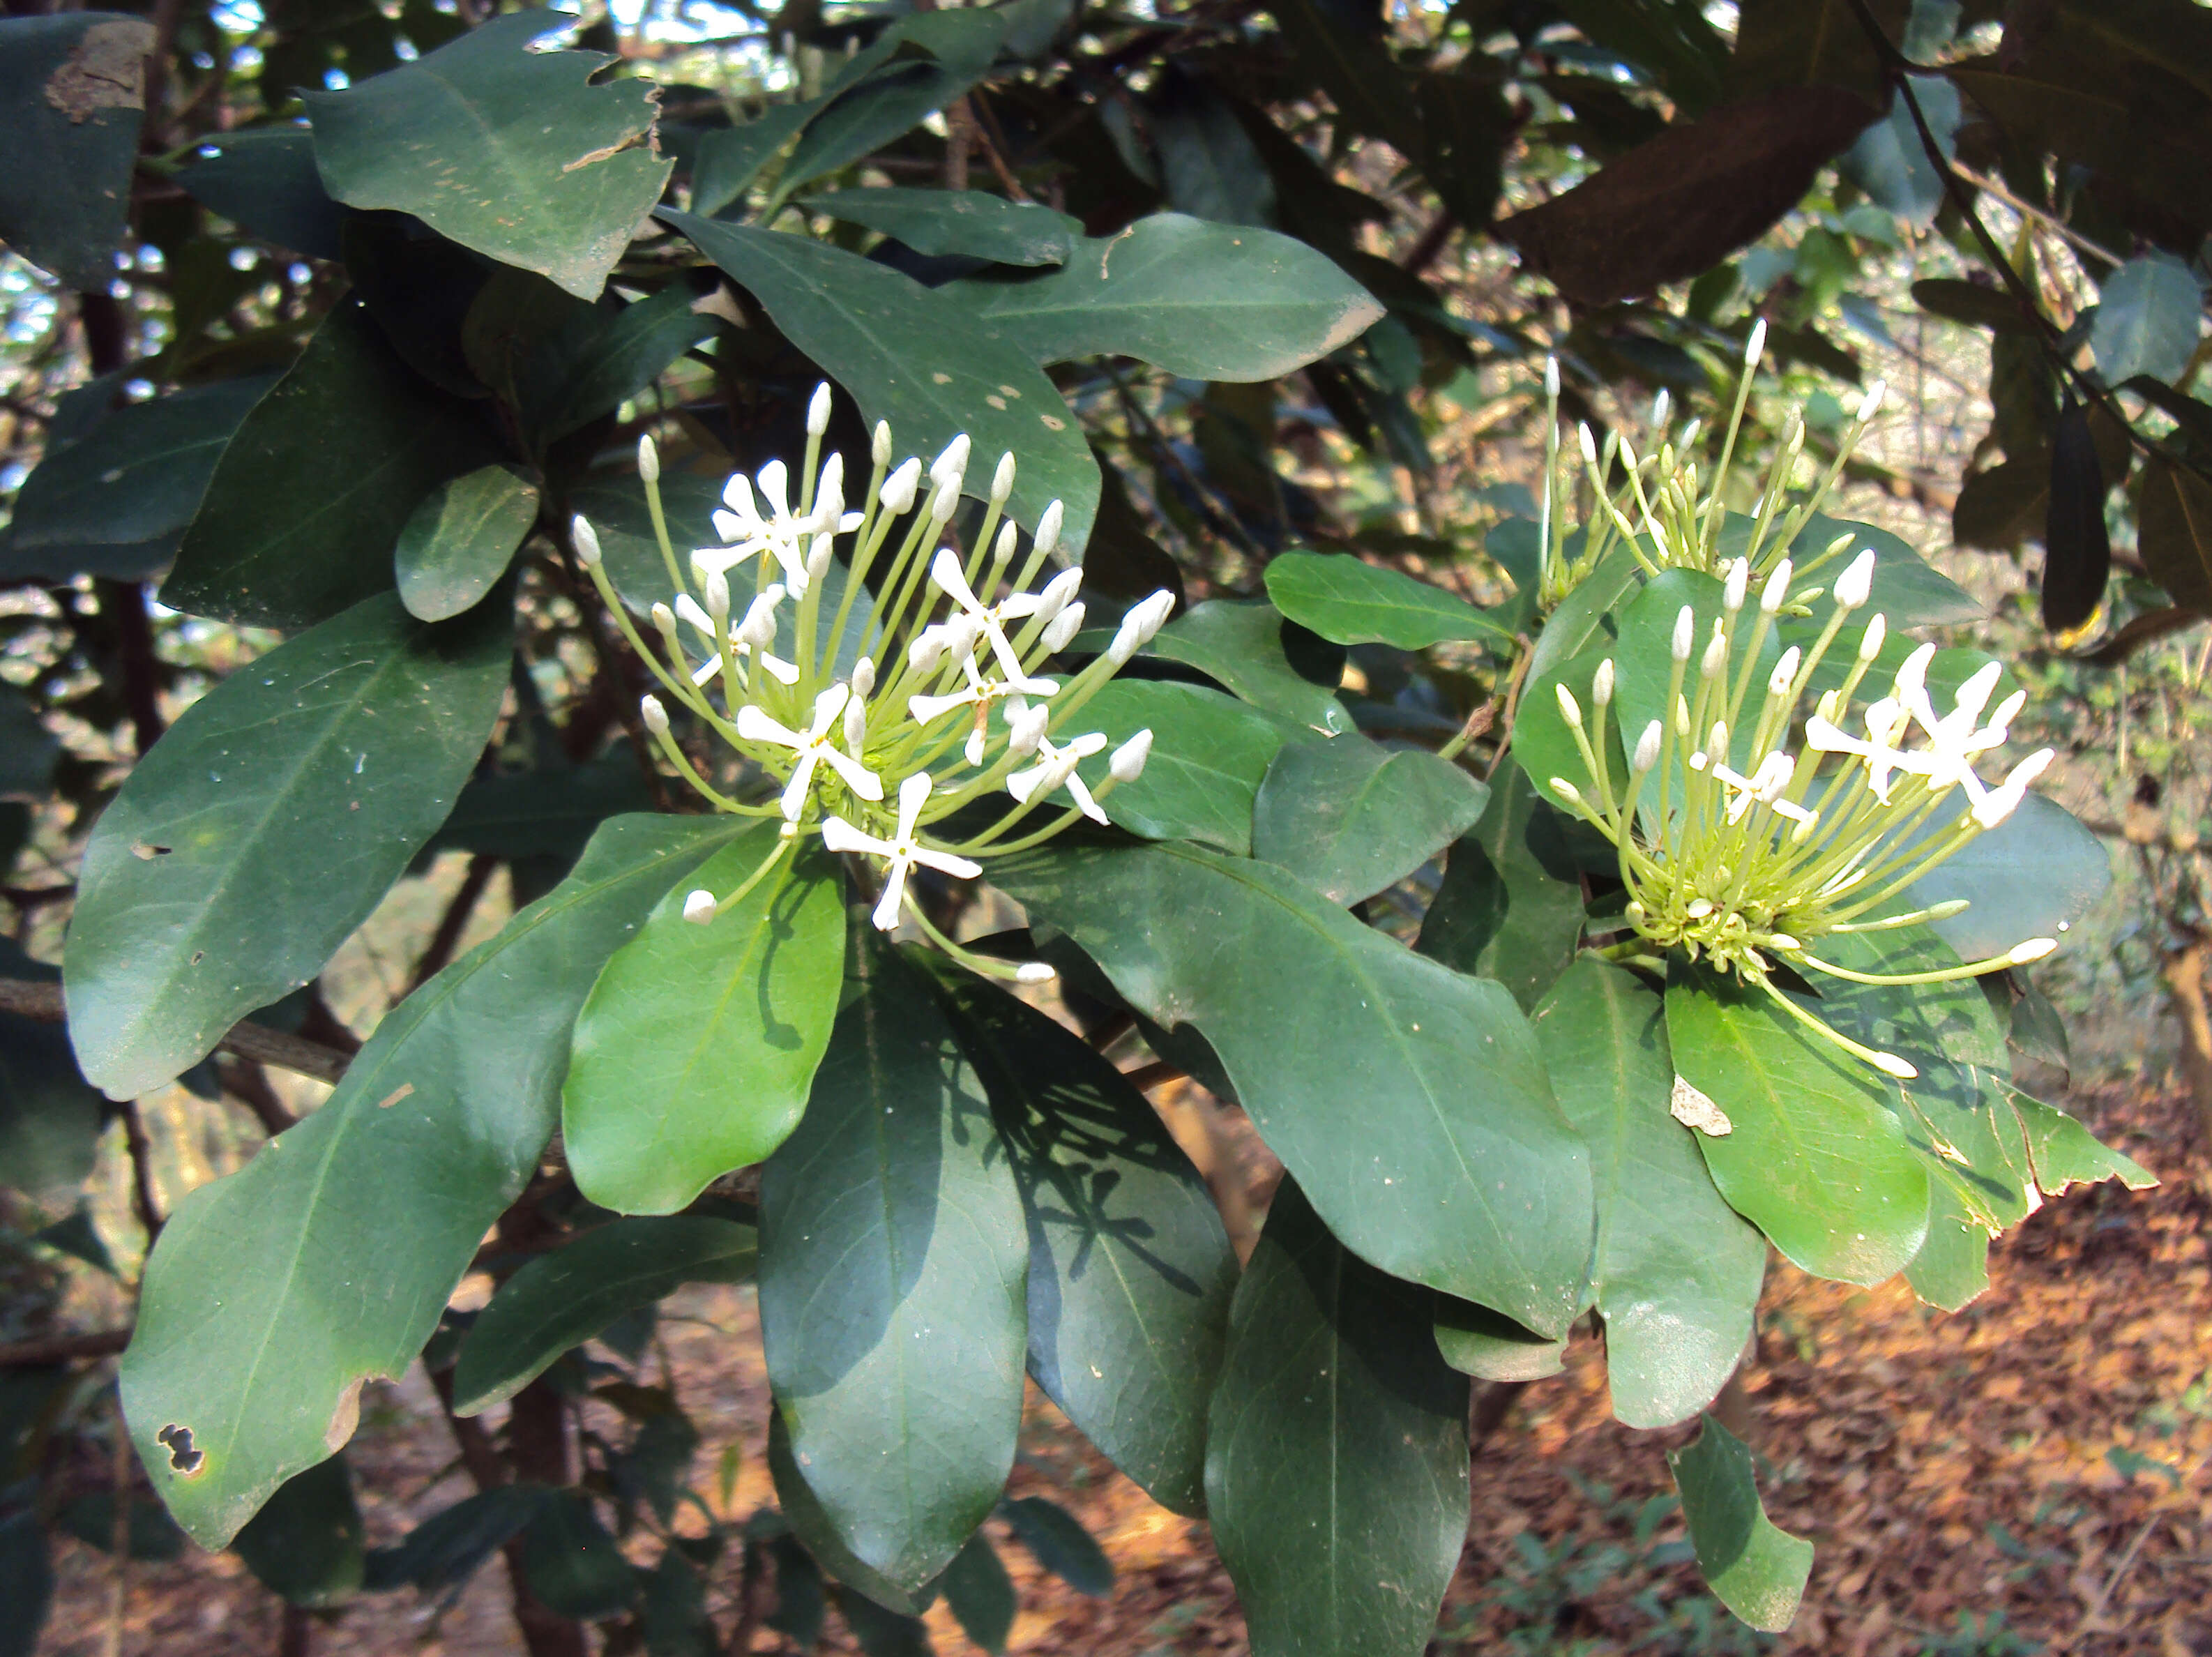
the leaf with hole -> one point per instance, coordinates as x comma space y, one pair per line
72, 98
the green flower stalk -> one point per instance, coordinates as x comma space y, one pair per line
1665, 512
944, 701
1747, 867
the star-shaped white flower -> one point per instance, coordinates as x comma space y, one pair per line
945, 573
1055, 768
1886, 721
1764, 786
903, 850
1954, 738
816, 746
780, 533
757, 628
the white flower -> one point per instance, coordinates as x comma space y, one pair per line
946, 576
699, 906
781, 532
903, 850
1128, 761
813, 748
1055, 768
749, 638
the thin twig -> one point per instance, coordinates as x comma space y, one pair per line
61, 1349
1152, 1075
143, 1197
454, 922
28, 998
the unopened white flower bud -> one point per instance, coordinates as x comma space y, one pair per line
1566, 790
758, 629
1870, 642
1716, 656
927, 650
1589, 443
818, 410
830, 494
1856, 584
1568, 705
1047, 529
1890, 1065
716, 593
1128, 763
1785, 670
943, 499
699, 907
1738, 583
649, 459
1154, 612
1034, 972
1647, 748
1871, 404
1059, 594
900, 487
863, 676
1686, 632
1062, 628
1777, 588
953, 463
664, 619
1602, 685
1002, 481
856, 724
655, 715
879, 444
1551, 378
587, 541
1662, 406
1025, 730
2032, 950
1756, 345
817, 557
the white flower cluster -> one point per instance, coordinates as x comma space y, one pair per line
879, 694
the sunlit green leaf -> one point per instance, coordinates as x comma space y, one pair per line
1349, 601
1352, 817
1757, 1570
456, 545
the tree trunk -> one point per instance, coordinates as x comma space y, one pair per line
2184, 982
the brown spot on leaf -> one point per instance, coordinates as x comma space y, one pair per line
397, 1094
635, 140
107, 70
142, 850
345, 1417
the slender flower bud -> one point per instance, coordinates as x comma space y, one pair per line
856, 724
1856, 584
1785, 670
943, 499
1047, 529
664, 619
1686, 632
649, 459
1661, 406
655, 715
1002, 481
1568, 705
927, 650
1756, 344
863, 676
758, 629
699, 907
1025, 730
1590, 443
1890, 1065
1128, 763
587, 543
2032, 950
1870, 644
1777, 588
818, 410
953, 463
1551, 378
1738, 583
817, 558
1058, 594
1647, 748
1566, 790
717, 595
1034, 972
899, 487
879, 444
1062, 628
830, 494
1602, 685
1715, 654
1871, 404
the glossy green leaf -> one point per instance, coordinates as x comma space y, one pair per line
1207, 301
1239, 643
240, 1376
549, 812
264, 180
602, 358
1489, 1346
1209, 754
1544, 746
1057, 1539
573, 1566
729, 158
72, 96
2065, 1153
1349, 601
1130, 1270
893, 1261
1352, 817
1907, 590
694, 1055
1757, 1570
456, 544
306, 1546
860, 321
981, 1594
1816, 1156
1336, 1471
1457, 1170
941, 222
2149, 314
116, 501
2033, 876
1676, 1272
812, 1525
1582, 619
299, 518
265, 827
927, 60
500, 148
1510, 906
563, 1299
1890, 162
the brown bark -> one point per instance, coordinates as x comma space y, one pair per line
2184, 981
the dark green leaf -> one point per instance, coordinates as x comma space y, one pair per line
1757, 1570
938, 56
1489, 1346
731, 158
1349, 601
694, 1055
264, 180
1457, 1170
1999, 509
1057, 1539
1510, 906
2077, 547
1239, 643
563, 1299
942, 221
1956, 301
500, 148
799, 1594
2032, 876
305, 1545
78, 1236
1208, 163
116, 501
445, 1549
149, 1534
1907, 590
264, 826
299, 520
50, 1116
882, 1632
1207, 301
812, 1525
860, 322
72, 93
600, 359
456, 545
894, 1203
26, 1582
545, 813
1583, 618
1677, 1273
1889, 161
1815, 1156
674, 1618
981, 1594
1336, 1464
1209, 753
1807, 43
1130, 1270
2174, 531
28, 750
2148, 316
386, 1190
1353, 818
571, 1562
